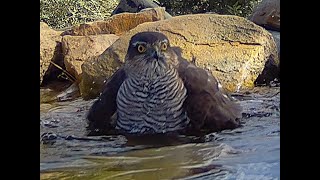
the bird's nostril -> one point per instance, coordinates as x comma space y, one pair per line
155, 55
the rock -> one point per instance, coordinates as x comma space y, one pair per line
49, 48
47, 95
117, 24
276, 37
234, 49
267, 14
65, 92
271, 70
78, 49
70, 93
95, 71
45, 107
134, 6
50, 92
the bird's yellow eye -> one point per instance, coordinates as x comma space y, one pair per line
164, 46
141, 48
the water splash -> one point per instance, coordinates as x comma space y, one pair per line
249, 152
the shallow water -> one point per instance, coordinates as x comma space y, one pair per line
249, 152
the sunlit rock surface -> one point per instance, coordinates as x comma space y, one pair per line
232, 48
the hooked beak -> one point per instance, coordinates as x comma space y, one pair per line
155, 53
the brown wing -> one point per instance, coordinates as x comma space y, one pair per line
208, 108
104, 107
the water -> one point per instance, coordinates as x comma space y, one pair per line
249, 152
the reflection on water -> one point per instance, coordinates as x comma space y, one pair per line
249, 152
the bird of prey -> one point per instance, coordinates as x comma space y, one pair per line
156, 91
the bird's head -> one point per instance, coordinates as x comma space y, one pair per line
149, 54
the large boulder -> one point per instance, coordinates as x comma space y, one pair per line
78, 49
135, 6
232, 48
50, 48
117, 24
267, 14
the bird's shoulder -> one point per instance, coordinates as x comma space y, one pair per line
196, 79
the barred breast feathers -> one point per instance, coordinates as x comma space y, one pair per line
152, 105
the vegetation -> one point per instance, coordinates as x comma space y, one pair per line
60, 14
234, 7
65, 13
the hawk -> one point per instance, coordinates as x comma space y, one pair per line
156, 91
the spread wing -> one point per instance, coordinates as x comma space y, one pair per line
101, 112
208, 107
